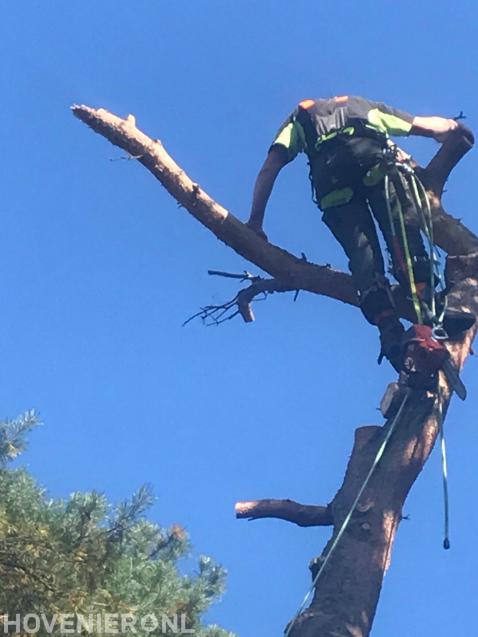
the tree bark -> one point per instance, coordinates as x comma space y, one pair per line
346, 596
301, 514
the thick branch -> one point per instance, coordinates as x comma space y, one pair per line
447, 157
294, 273
450, 233
301, 514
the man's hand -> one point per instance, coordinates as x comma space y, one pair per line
437, 127
257, 228
446, 127
402, 156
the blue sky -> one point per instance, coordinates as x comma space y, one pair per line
99, 268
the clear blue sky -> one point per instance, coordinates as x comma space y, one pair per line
99, 267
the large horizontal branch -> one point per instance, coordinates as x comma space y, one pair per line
293, 272
301, 514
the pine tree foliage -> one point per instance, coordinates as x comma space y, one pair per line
83, 555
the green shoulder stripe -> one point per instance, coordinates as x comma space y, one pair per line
387, 123
292, 137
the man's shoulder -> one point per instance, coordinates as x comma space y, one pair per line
333, 102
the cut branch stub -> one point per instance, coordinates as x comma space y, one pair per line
301, 514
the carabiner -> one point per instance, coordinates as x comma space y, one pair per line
439, 333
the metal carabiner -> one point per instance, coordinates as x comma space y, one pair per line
439, 333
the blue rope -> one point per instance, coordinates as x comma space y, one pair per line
444, 464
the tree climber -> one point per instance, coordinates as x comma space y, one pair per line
348, 146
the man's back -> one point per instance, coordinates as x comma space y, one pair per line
316, 121
355, 172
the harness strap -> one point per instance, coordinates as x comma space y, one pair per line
320, 147
356, 128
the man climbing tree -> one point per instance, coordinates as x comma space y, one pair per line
356, 171
367, 510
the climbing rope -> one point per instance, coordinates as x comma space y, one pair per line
422, 206
348, 517
396, 173
423, 210
405, 260
444, 464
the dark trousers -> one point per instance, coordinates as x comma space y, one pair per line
353, 226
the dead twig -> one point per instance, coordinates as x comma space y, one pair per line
241, 304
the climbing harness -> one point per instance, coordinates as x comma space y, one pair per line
348, 517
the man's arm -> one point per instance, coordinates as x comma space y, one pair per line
275, 161
437, 127
398, 122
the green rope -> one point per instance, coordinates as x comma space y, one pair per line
424, 215
422, 205
406, 250
348, 517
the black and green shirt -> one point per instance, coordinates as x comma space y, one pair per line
313, 120
343, 138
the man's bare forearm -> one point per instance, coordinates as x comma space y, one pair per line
274, 162
262, 191
437, 127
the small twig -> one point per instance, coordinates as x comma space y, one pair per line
127, 157
212, 314
245, 276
